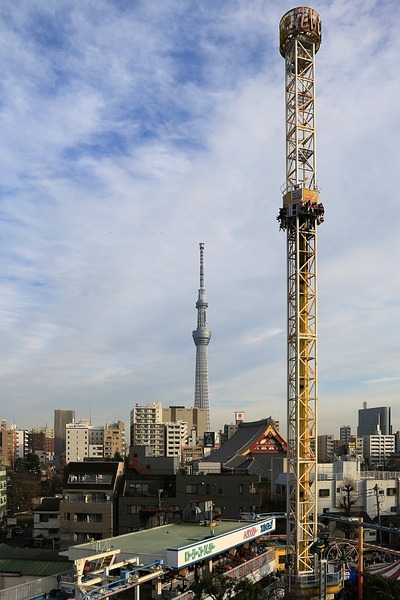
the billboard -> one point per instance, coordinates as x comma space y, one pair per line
209, 439
207, 548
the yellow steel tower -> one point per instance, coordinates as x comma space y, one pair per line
300, 38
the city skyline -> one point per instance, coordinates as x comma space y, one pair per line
131, 133
96, 422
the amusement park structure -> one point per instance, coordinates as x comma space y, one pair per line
299, 216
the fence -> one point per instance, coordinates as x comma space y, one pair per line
36, 588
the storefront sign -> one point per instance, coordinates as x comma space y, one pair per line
180, 557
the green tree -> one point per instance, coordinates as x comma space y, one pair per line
245, 590
21, 488
380, 588
32, 463
221, 587
348, 495
19, 465
52, 485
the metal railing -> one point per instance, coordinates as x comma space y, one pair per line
36, 588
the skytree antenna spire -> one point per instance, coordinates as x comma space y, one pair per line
201, 338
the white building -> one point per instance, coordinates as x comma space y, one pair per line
83, 441
46, 520
373, 492
377, 448
147, 427
175, 438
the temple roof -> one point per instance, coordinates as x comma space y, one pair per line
254, 437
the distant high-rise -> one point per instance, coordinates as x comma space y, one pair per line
374, 420
201, 337
147, 427
345, 433
61, 418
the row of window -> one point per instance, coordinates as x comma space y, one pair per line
83, 517
206, 489
94, 497
325, 492
143, 489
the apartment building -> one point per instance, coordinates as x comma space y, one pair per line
377, 448
88, 507
147, 427
114, 439
325, 445
83, 441
175, 438
46, 522
3, 492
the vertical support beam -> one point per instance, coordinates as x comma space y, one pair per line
360, 581
300, 38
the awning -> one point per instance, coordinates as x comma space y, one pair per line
389, 570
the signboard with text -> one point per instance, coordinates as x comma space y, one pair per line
181, 557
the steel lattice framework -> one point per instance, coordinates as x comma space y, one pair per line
201, 337
300, 37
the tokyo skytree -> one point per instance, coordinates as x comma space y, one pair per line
201, 338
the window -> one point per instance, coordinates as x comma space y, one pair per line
391, 492
96, 518
208, 488
393, 509
241, 488
219, 490
138, 489
133, 509
324, 493
44, 518
191, 489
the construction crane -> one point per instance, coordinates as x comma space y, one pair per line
299, 216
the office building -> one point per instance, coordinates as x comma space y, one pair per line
374, 420
196, 418
61, 418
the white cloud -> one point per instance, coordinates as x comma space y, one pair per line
132, 133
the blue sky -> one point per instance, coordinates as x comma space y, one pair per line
133, 130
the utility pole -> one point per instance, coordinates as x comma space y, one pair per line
378, 511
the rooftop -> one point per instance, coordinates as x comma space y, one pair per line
166, 542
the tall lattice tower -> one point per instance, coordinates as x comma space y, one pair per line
300, 38
201, 337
